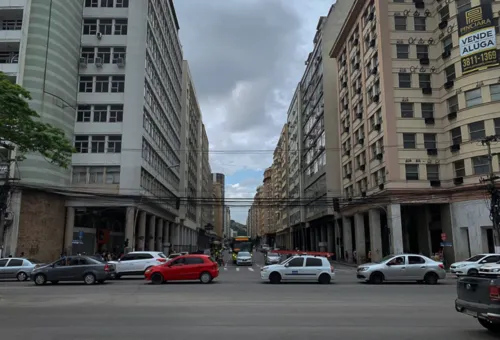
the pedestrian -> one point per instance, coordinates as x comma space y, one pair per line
354, 256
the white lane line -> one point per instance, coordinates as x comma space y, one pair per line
237, 269
250, 269
225, 268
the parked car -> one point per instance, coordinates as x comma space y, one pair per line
74, 268
184, 268
471, 265
478, 296
300, 268
17, 268
404, 267
137, 262
490, 269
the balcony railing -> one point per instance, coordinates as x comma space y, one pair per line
9, 57
11, 25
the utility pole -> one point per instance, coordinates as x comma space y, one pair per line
493, 191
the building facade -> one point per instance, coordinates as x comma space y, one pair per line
282, 188
79, 61
414, 109
206, 188
227, 221
218, 207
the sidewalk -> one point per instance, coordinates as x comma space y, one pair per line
343, 263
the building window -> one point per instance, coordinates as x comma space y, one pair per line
448, 43
119, 52
495, 92
113, 175
409, 141
444, 13
473, 97
459, 167
427, 110
430, 141
100, 113
101, 84
116, 113
497, 126
98, 144
481, 165
106, 26
456, 136
463, 5
118, 84
114, 144
83, 113
450, 73
404, 80
85, 84
402, 51
424, 81
88, 53
96, 175
122, 3
433, 172
91, 3
476, 130
107, 3
90, 26
411, 171
105, 54
452, 104
82, 144
407, 110
400, 23
419, 23
79, 175
422, 51
121, 26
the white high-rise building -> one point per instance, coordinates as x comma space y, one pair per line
109, 73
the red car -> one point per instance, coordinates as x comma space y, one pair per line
184, 268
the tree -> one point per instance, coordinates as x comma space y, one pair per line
20, 127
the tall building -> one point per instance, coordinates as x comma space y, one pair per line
218, 207
415, 102
267, 207
206, 187
227, 221
79, 61
221, 179
283, 223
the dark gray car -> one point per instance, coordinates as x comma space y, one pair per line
74, 268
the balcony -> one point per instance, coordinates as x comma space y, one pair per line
10, 29
9, 58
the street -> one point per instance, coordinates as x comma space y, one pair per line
237, 305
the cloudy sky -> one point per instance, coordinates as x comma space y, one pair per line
246, 58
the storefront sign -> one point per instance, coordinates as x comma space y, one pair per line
477, 39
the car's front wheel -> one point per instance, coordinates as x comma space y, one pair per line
157, 279
40, 279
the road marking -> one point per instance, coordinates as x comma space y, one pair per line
225, 268
250, 269
237, 269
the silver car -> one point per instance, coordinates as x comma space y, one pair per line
17, 268
244, 258
273, 258
404, 267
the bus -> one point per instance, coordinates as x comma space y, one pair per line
241, 243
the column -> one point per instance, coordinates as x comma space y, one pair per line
159, 234
68, 232
359, 230
151, 233
142, 231
165, 238
395, 228
346, 223
330, 238
130, 229
375, 235
337, 240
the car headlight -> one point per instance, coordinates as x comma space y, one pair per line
496, 270
363, 269
263, 269
461, 266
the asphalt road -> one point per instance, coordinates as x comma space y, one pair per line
236, 306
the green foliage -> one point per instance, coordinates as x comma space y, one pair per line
19, 125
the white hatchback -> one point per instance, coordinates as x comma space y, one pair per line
137, 262
301, 268
471, 265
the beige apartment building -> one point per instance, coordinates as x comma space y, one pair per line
415, 101
283, 237
218, 208
268, 209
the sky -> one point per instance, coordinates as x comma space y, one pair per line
246, 58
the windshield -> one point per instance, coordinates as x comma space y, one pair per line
474, 258
386, 258
242, 246
162, 255
243, 253
273, 254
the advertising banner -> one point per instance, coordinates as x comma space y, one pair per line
477, 39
